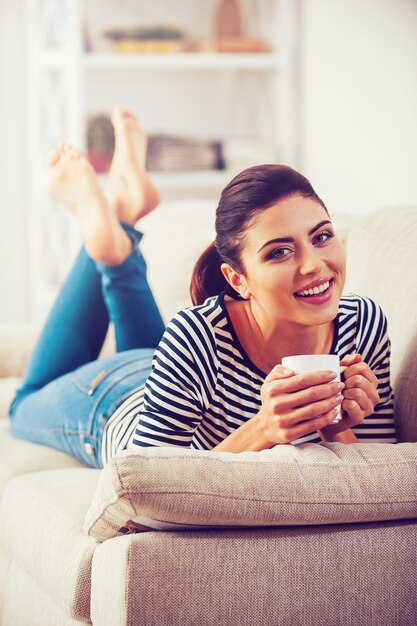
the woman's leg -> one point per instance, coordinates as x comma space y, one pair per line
114, 261
74, 331
129, 300
132, 195
78, 322
69, 413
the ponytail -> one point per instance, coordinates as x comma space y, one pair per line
207, 278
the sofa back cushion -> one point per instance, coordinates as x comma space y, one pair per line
176, 489
175, 235
381, 263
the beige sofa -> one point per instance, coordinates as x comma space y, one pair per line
319, 535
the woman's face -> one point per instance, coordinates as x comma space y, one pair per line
294, 265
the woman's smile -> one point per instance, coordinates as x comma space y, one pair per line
318, 292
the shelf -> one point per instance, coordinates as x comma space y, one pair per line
186, 181
191, 180
184, 60
57, 59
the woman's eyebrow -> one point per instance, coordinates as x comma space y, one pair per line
291, 239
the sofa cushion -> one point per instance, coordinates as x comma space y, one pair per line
20, 457
41, 520
8, 387
26, 604
381, 263
341, 575
16, 343
177, 233
286, 485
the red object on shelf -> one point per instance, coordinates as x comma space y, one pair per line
228, 21
100, 161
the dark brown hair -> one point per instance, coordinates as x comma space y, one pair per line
242, 200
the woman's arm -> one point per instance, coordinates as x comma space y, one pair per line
182, 377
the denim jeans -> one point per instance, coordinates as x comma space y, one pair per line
67, 395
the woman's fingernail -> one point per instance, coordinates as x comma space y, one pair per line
285, 371
341, 385
332, 375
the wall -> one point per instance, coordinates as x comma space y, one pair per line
13, 115
359, 101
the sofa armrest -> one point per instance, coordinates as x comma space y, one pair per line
16, 343
258, 576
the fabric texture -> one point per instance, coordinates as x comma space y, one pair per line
347, 575
41, 518
4, 577
286, 485
8, 388
16, 343
26, 604
381, 264
22, 457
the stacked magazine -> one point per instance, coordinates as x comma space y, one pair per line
167, 153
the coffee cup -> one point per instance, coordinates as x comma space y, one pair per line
302, 363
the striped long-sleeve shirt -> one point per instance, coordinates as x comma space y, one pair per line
203, 386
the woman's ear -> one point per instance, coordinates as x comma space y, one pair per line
235, 280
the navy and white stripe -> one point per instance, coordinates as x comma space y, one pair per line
202, 386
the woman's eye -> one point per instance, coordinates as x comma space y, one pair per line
322, 237
279, 253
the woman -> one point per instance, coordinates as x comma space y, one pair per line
271, 286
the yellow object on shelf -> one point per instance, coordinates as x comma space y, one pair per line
233, 44
151, 46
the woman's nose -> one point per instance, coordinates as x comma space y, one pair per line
310, 262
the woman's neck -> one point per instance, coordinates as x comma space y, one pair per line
266, 343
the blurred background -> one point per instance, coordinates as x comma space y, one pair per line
326, 86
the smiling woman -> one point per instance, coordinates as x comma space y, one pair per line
269, 286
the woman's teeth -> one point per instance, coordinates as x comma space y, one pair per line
315, 290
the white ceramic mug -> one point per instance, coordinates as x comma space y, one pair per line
302, 363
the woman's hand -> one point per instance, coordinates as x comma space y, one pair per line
359, 395
294, 405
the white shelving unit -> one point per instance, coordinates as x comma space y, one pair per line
258, 91
181, 61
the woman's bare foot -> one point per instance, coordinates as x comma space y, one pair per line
73, 183
129, 190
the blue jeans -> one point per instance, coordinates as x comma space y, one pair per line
67, 395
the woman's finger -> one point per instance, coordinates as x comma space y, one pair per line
361, 369
353, 410
279, 372
350, 359
305, 428
310, 412
298, 382
289, 401
361, 383
357, 395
